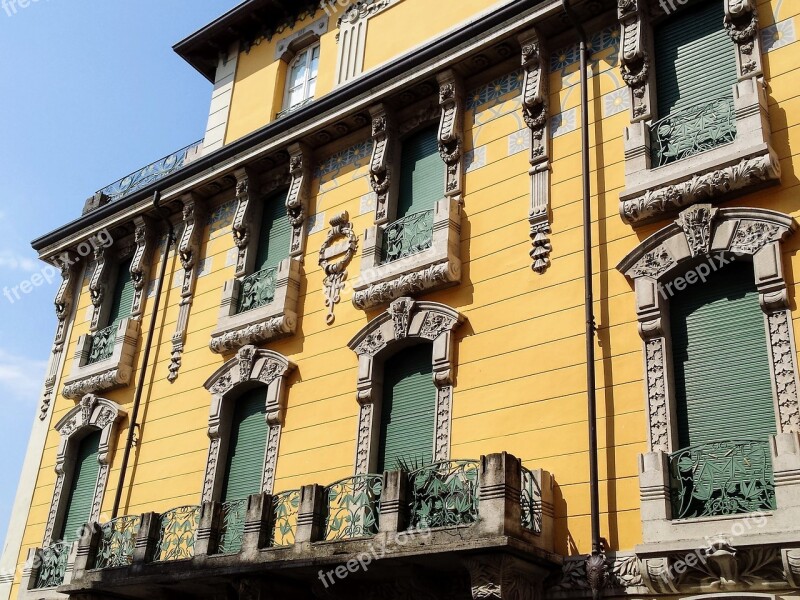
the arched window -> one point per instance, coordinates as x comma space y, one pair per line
82, 487
408, 412
246, 446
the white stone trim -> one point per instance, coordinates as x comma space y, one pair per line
250, 367
404, 321
221, 97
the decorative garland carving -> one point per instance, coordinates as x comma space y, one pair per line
94, 413
634, 60
535, 113
380, 166
250, 365
335, 255
258, 333
297, 198
748, 172
111, 378
451, 126
741, 23
188, 251
140, 264
406, 318
412, 283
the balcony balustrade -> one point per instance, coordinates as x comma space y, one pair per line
258, 290
52, 565
102, 347
407, 236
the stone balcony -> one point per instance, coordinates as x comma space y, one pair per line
450, 527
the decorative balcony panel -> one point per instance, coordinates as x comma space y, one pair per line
53, 565
444, 494
353, 507
531, 501
103, 345
178, 533
258, 290
151, 173
234, 514
117, 543
722, 478
692, 130
407, 236
285, 507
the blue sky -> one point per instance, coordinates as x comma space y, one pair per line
91, 91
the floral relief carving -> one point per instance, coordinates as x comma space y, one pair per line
657, 395
451, 102
372, 344
400, 310
257, 333
751, 236
434, 325
380, 170
697, 225
634, 59
273, 442
654, 263
243, 218
785, 371
364, 435
741, 24
415, 282
140, 265
297, 198
444, 409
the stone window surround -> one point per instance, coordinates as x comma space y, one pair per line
699, 233
250, 368
748, 162
440, 265
115, 371
279, 318
405, 323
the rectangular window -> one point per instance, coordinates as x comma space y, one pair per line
302, 79
81, 493
122, 302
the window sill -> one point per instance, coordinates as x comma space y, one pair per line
435, 268
275, 320
107, 374
747, 163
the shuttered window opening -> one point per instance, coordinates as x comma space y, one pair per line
247, 446
408, 411
422, 173
695, 59
81, 491
276, 234
122, 304
723, 388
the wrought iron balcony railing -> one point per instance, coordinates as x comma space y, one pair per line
444, 494
53, 565
151, 173
722, 478
178, 533
231, 536
407, 236
117, 542
283, 528
102, 347
353, 507
692, 130
531, 501
258, 289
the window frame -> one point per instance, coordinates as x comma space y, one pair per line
305, 51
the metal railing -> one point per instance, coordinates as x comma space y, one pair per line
178, 533
53, 565
444, 494
151, 173
117, 543
692, 130
234, 515
102, 347
531, 501
407, 236
353, 507
722, 478
258, 289
285, 507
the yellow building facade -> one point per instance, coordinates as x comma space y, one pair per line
496, 287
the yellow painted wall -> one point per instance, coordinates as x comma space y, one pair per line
520, 374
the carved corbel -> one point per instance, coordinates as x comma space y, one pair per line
451, 131
243, 225
535, 114
634, 58
297, 199
380, 166
98, 284
503, 577
189, 253
741, 23
140, 265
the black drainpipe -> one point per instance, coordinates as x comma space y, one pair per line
137, 399
596, 564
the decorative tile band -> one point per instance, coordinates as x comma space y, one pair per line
357, 155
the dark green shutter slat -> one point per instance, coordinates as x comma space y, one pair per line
422, 173
408, 412
248, 443
723, 388
81, 492
122, 305
695, 59
276, 234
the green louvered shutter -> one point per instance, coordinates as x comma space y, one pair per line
422, 173
719, 347
122, 305
276, 234
81, 492
695, 59
248, 443
408, 412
